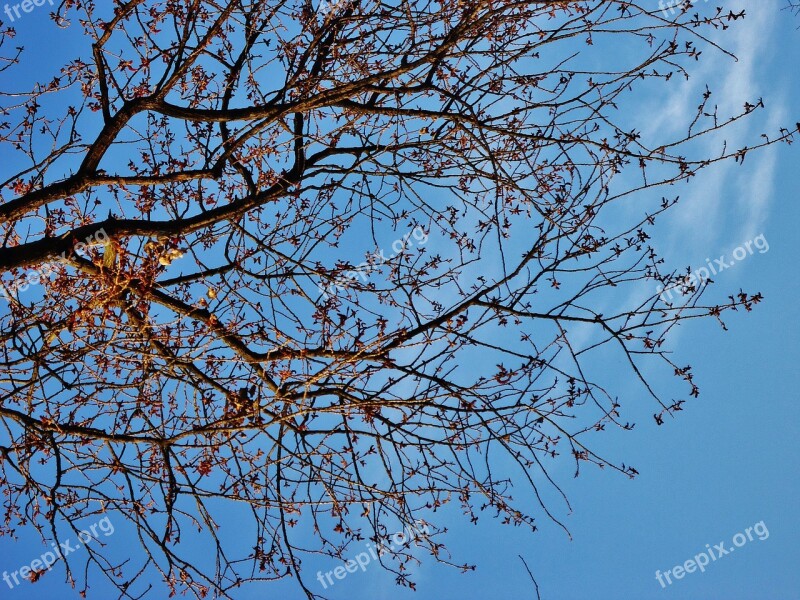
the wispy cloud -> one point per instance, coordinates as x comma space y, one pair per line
725, 194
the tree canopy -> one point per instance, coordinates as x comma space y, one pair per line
331, 270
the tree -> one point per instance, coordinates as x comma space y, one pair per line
334, 269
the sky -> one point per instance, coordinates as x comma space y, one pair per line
726, 464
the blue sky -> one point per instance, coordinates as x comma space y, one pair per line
728, 462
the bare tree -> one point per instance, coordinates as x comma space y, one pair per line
331, 270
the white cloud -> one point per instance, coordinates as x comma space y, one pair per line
726, 191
